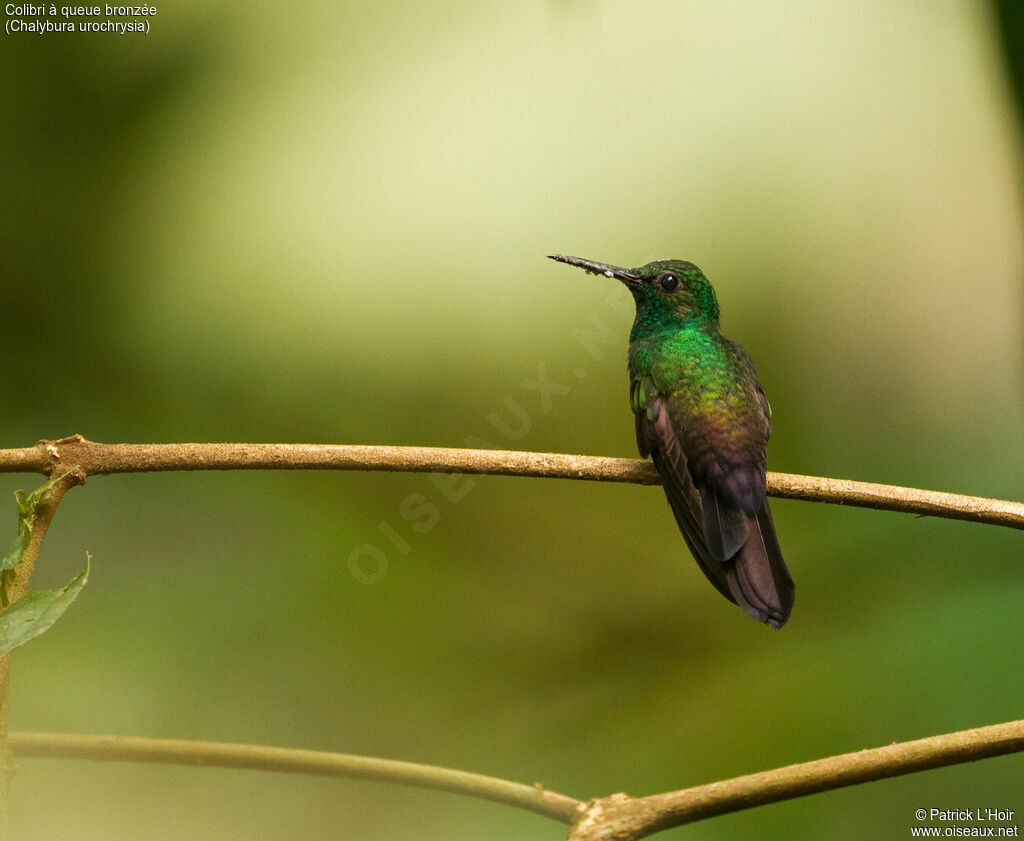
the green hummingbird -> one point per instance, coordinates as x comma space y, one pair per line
702, 416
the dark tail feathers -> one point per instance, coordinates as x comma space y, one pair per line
758, 578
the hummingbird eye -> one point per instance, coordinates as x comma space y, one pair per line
668, 281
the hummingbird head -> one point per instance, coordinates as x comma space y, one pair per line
665, 291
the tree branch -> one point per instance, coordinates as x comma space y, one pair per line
622, 818
614, 818
263, 758
95, 458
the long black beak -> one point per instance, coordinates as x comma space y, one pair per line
627, 276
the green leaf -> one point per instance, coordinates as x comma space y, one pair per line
34, 613
27, 504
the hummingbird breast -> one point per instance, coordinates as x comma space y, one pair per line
717, 409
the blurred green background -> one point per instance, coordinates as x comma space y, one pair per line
327, 223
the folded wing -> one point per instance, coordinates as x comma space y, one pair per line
737, 550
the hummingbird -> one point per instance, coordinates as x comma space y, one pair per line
702, 417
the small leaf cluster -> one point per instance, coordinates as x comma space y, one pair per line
36, 612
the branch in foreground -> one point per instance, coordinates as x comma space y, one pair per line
94, 458
614, 818
263, 758
622, 818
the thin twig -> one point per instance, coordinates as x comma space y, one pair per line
263, 758
95, 458
614, 818
40, 522
621, 818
